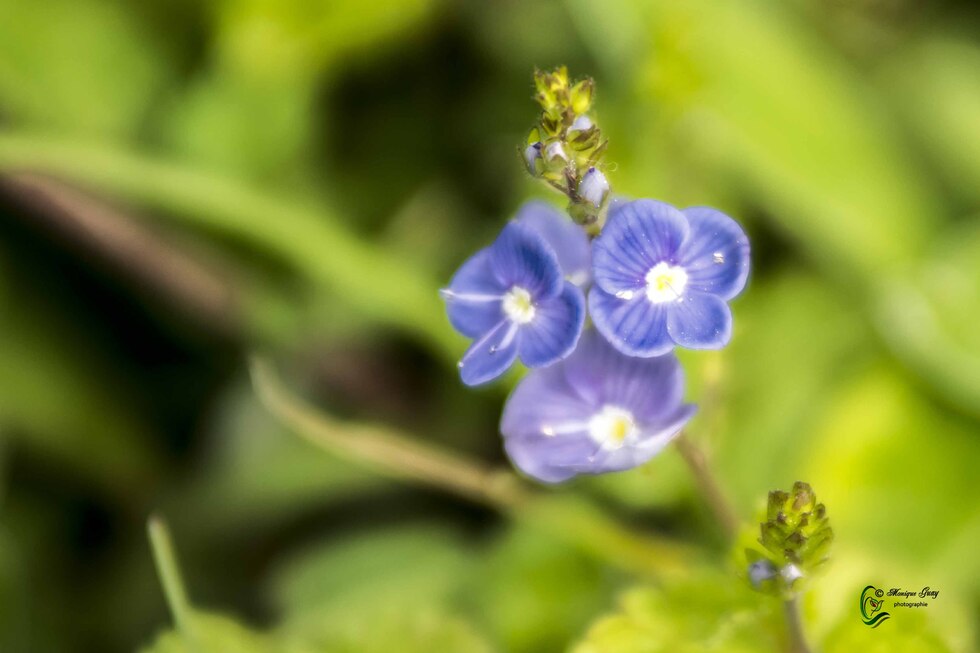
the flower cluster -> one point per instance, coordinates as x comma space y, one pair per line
656, 277
795, 539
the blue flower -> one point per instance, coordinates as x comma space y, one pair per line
512, 300
597, 411
568, 240
663, 277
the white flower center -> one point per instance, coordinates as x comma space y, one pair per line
517, 305
665, 283
611, 426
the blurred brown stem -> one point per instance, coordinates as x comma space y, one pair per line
708, 484
400, 456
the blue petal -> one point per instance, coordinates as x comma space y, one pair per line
473, 297
647, 387
543, 403
540, 457
491, 355
637, 236
699, 321
565, 238
636, 327
555, 329
520, 257
715, 254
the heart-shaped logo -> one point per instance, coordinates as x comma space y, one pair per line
871, 603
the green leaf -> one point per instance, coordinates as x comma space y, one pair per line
908, 632
384, 630
534, 592
212, 632
77, 65
415, 565
699, 614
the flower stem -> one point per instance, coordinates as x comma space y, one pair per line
708, 484
397, 455
169, 573
797, 641
385, 452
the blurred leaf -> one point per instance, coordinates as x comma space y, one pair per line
745, 87
253, 128
936, 87
889, 467
795, 341
383, 630
402, 567
258, 473
213, 633
390, 590
363, 276
77, 65
273, 36
536, 591
929, 317
907, 632
705, 612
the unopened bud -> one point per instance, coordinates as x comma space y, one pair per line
760, 571
531, 154
581, 124
593, 187
555, 150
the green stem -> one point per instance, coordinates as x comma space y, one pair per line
169, 572
397, 455
797, 640
708, 484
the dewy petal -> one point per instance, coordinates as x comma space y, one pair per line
647, 387
555, 329
547, 421
699, 321
473, 297
715, 254
520, 257
567, 240
542, 404
637, 236
491, 355
636, 327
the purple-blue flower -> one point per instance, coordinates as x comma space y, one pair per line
663, 277
596, 411
568, 240
512, 299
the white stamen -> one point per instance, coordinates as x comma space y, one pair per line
665, 283
517, 305
612, 426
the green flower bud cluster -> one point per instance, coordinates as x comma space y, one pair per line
565, 148
796, 538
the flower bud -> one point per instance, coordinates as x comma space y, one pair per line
594, 187
761, 571
555, 151
581, 124
531, 154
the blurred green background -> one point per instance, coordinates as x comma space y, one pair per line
184, 183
